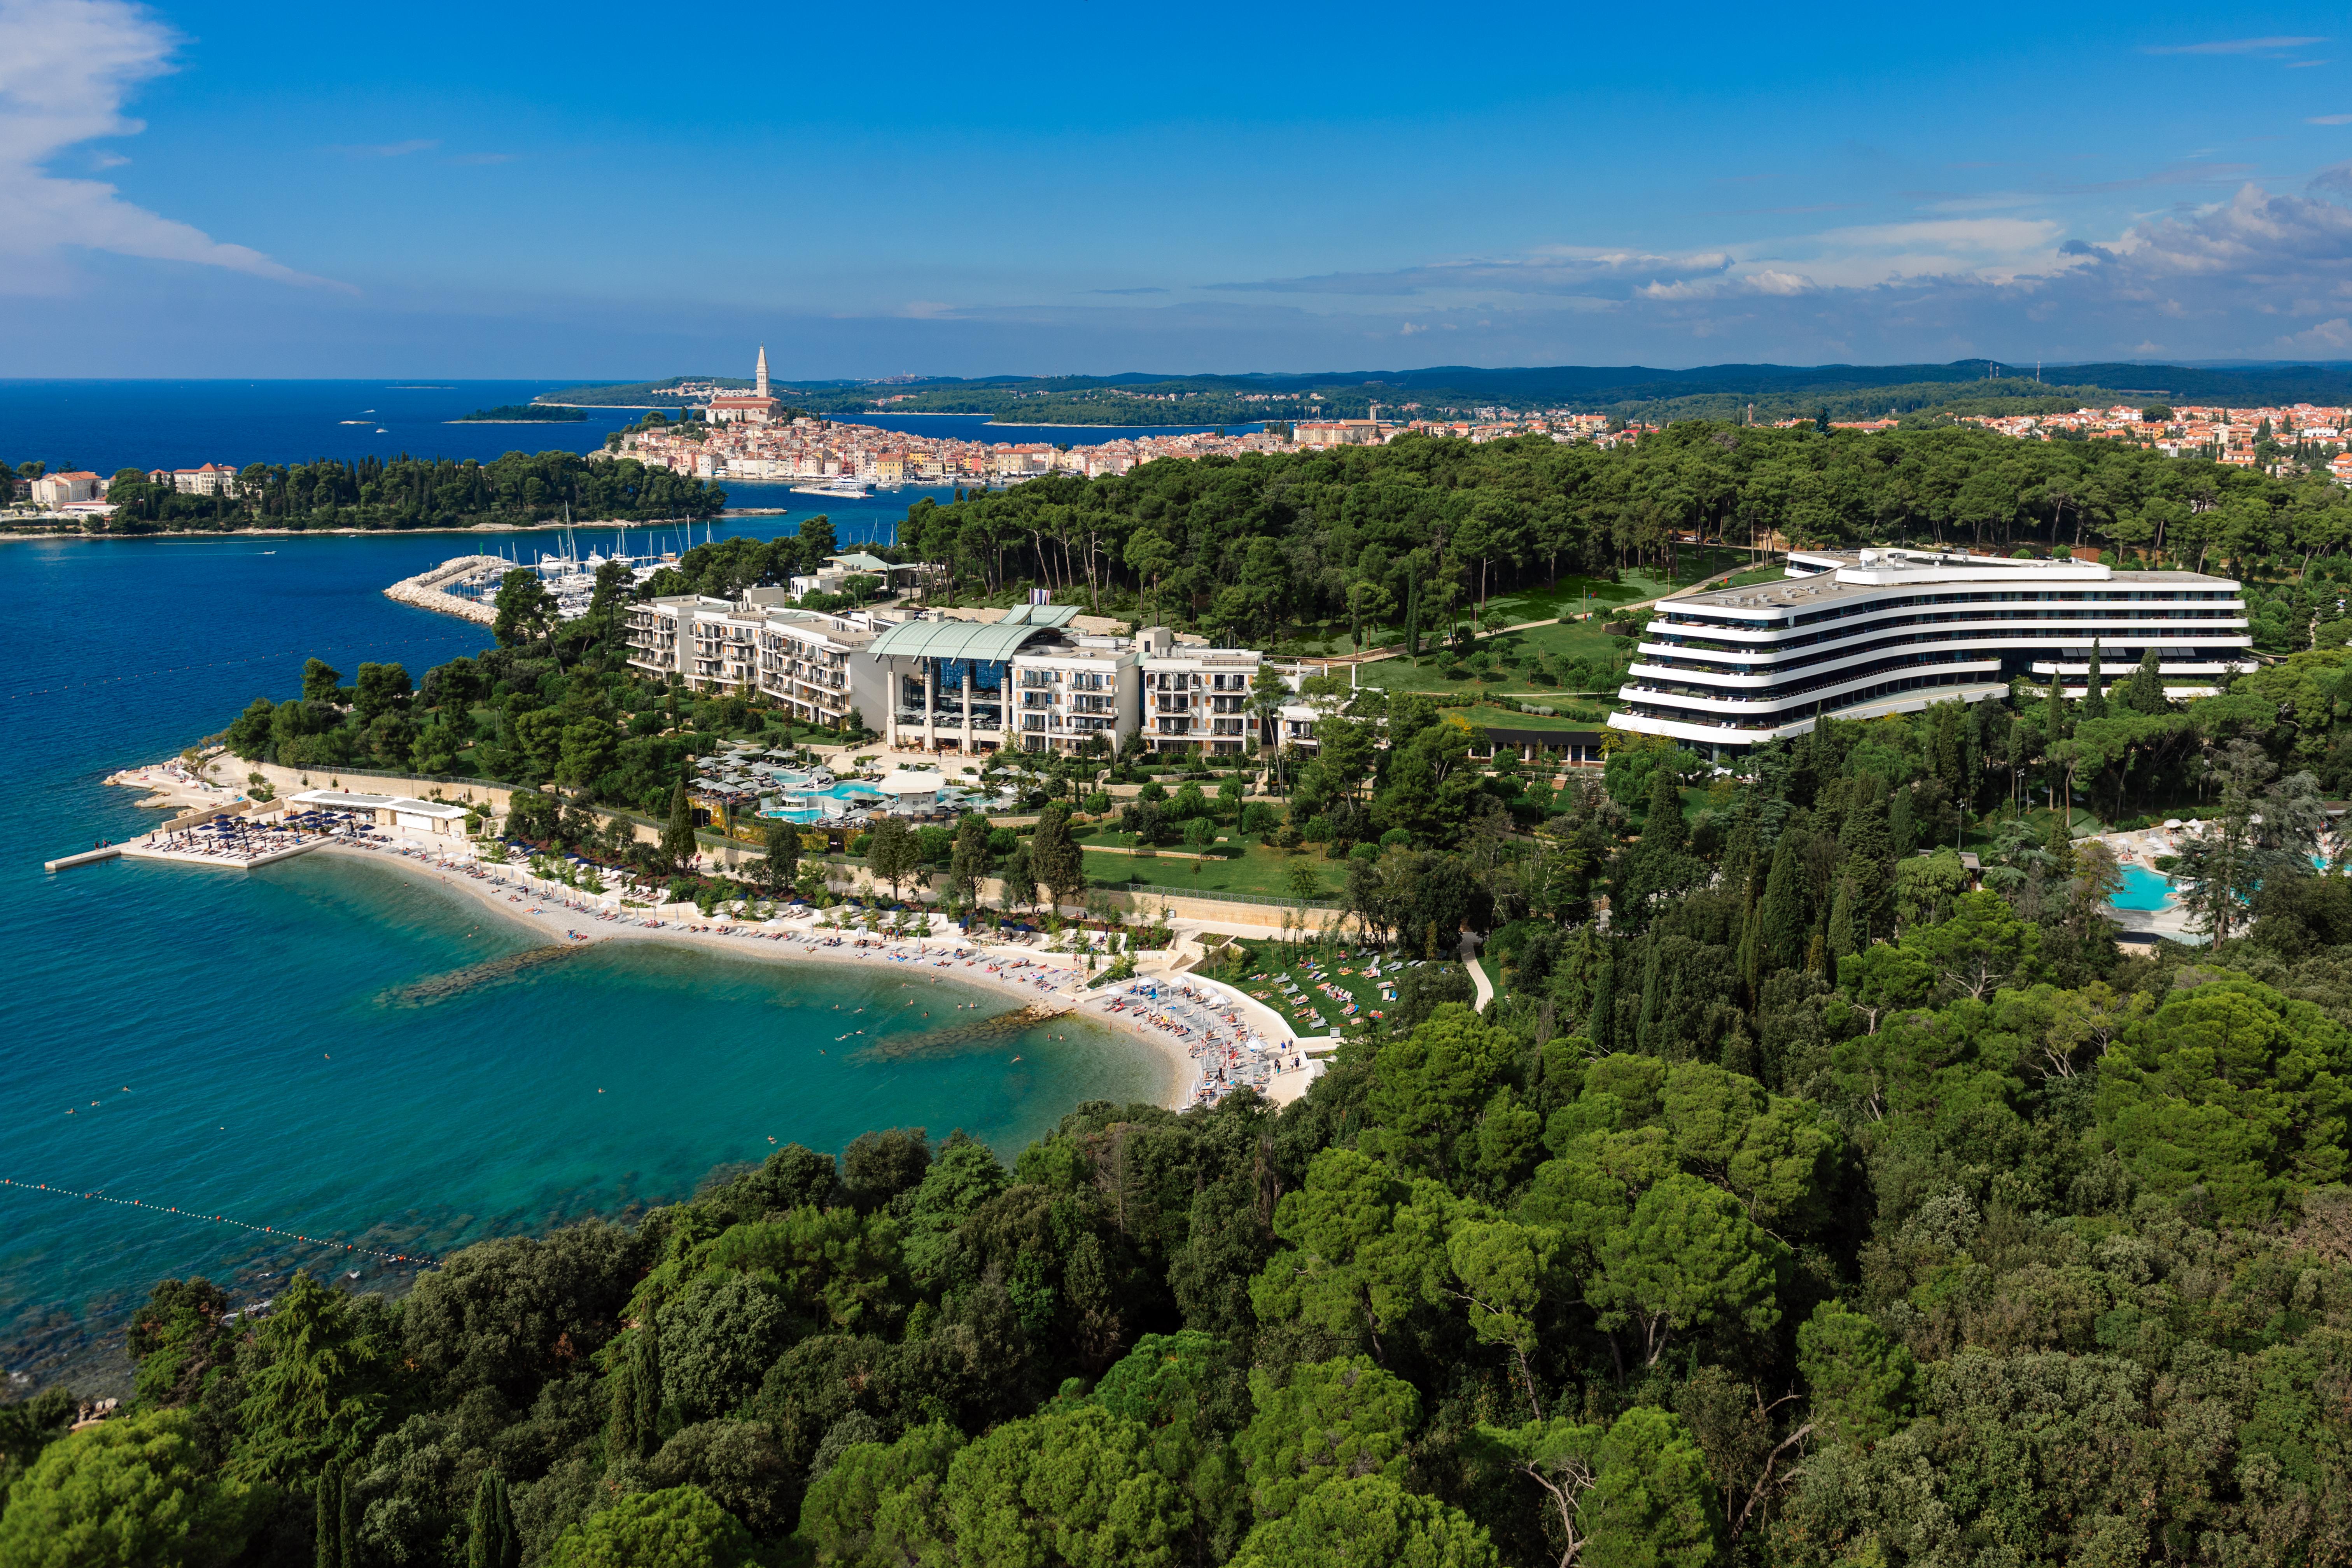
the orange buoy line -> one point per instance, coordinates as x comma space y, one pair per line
215, 1219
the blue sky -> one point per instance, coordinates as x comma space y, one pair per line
265, 190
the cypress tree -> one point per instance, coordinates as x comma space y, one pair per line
1785, 919
1663, 829
2146, 691
329, 1526
492, 1541
2094, 700
621, 1433
648, 1390
677, 839
1842, 932
1646, 1030
1602, 1026
347, 1521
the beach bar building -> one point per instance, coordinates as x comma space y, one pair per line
396, 813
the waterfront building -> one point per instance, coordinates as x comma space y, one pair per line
1854, 635
61, 490
1195, 699
392, 813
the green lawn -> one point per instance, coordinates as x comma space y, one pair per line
1505, 718
1256, 869
1566, 645
1569, 597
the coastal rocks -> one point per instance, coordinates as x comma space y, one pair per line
424, 591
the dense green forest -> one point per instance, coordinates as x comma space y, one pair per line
1815, 1209
1823, 1205
527, 412
1254, 547
414, 493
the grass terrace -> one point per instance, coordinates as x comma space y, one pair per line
1237, 863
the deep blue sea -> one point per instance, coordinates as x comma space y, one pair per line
249, 1045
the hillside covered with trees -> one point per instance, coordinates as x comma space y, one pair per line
1718, 390
1825, 1205
414, 493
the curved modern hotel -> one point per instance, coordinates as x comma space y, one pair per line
1857, 634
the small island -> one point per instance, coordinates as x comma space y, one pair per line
523, 413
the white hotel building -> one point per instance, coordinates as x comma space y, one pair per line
1858, 635
1028, 680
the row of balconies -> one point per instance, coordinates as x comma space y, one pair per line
1659, 657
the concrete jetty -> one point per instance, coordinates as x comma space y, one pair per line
87, 857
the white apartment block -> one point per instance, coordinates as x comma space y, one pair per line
1855, 634
661, 632
812, 664
1195, 699
796, 659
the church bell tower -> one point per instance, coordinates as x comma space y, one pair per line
760, 376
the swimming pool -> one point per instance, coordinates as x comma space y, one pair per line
2143, 891
832, 801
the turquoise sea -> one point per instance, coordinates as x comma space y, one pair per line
281, 1048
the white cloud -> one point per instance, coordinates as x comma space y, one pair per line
2329, 120
389, 149
66, 69
2336, 334
2234, 47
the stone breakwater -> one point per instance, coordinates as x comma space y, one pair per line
426, 589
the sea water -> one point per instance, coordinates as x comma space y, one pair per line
335, 1049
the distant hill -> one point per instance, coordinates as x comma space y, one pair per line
1715, 391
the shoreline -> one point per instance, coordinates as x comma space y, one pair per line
556, 527
548, 919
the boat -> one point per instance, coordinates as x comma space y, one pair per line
381, 431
